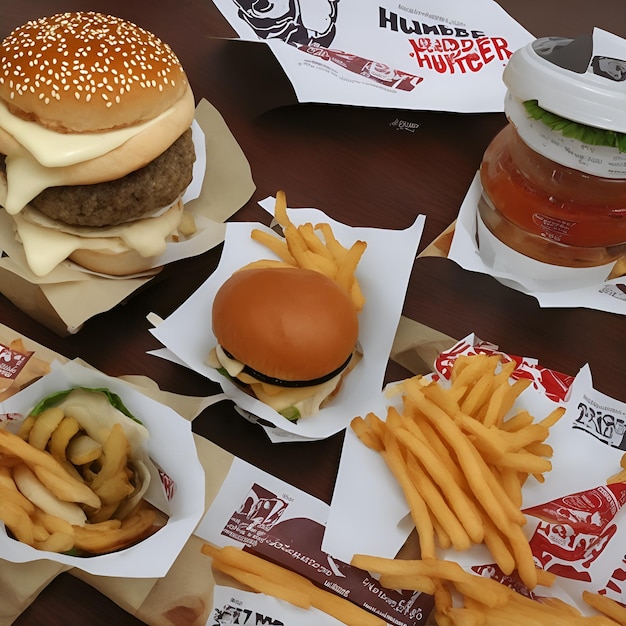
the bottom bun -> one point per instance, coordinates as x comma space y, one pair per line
114, 262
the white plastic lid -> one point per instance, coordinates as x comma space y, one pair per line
581, 79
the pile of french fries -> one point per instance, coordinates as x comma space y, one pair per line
460, 463
279, 582
312, 247
461, 454
59, 492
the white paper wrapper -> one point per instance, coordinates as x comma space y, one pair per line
284, 525
427, 54
578, 536
171, 447
551, 285
383, 273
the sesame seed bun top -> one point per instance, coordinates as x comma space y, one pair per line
86, 71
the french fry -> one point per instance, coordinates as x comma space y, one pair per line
273, 579
347, 269
465, 510
25, 427
10, 493
115, 456
303, 247
56, 542
606, 606
280, 209
17, 521
66, 487
60, 438
419, 511
274, 243
313, 242
47, 469
366, 434
96, 539
44, 426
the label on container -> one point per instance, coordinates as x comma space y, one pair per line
603, 161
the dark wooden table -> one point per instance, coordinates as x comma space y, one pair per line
351, 163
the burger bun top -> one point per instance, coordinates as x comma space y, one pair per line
291, 324
93, 72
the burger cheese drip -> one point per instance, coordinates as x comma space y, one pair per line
88, 99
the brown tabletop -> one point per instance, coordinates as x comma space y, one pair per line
351, 163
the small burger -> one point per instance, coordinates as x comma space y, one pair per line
287, 335
95, 142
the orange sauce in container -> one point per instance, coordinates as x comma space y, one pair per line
550, 212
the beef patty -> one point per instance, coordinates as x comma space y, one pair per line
154, 186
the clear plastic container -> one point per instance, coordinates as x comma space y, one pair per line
550, 196
548, 211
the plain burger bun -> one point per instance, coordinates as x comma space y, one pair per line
87, 71
287, 323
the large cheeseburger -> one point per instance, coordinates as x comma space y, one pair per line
95, 142
287, 335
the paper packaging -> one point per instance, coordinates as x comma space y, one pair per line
575, 523
388, 254
215, 194
179, 493
466, 243
437, 55
188, 587
272, 519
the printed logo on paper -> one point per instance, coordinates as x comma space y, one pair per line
258, 514
606, 423
11, 362
261, 525
444, 46
574, 530
234, 613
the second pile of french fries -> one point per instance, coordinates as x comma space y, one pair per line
461, 454
461, 464
312, 247
88, 491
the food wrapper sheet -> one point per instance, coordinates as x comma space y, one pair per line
176, 487
383, 273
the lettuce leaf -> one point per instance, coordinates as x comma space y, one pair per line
58, 396
574, 130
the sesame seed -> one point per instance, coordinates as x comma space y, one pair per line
61, 51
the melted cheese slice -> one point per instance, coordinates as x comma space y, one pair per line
306, 399
45, 247
54, 149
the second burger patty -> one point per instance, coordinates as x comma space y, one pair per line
156, 185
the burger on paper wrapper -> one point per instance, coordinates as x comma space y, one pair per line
162, 467
310, 348
96, 148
